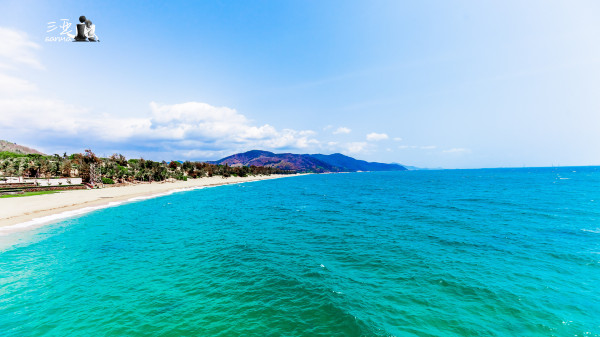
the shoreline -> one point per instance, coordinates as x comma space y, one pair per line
24, 213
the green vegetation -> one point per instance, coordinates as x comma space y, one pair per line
7, 154
27, 194
117, 168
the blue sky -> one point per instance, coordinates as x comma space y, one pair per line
455, 84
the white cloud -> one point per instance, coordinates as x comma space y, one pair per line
355, 147
342, 130
23, 111
191, 129
191, 126
24, 114
220, 125
16, 48
16, 51
203, 154
10, 85
374, 136
351, 148
419, 147
457, 150
397, 139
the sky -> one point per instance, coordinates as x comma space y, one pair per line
453, 84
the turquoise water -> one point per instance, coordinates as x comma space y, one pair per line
502, 252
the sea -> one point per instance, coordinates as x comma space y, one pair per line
486, 252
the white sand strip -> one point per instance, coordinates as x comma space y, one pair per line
28, 212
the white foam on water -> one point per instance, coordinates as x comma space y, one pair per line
55, 217
38, 222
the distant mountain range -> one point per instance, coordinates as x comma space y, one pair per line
16, 148
318, 163
414, 168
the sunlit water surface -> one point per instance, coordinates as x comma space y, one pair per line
502, 252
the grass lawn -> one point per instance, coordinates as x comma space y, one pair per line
26, 194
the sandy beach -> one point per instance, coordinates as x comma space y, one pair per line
25, 212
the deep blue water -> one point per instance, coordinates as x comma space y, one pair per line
496, 252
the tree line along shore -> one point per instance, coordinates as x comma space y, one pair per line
116, 168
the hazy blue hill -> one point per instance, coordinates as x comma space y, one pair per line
305, 162
350, 164
284, 161
415, 168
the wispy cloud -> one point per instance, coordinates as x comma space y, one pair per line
16, 53
17, 49
374, 136
457, 150
187, 129
355, 147
342, 130
194, 130
12, 85
420, 147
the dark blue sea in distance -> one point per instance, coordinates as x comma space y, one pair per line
492, 252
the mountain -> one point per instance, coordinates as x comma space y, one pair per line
16, 148
349, 164
318, 163
284, 161
414, 168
